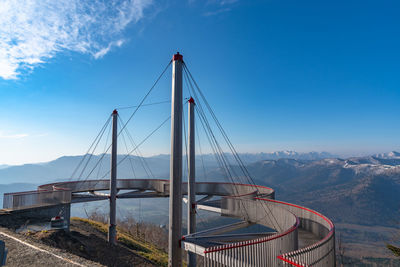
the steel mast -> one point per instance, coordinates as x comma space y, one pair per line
191, 180
112, 231
175, 175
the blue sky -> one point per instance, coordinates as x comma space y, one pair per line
281, 75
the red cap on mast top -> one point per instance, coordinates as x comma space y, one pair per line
191, 100
177, 56
115, 111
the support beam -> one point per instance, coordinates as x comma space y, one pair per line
140, 194
112, 230
209, 208
191, 180
175, 199
204, 199
223, 229
229, 237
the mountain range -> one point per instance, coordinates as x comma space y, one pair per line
131, 166
360, 194
361, 190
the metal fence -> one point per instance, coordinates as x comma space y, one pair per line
39, 198
320, 254
261, 251
257, 252
279, 249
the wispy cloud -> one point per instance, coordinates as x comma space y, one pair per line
215, 7
33, 31
219, 2
216, 12
22, 135
12, 136
227, 2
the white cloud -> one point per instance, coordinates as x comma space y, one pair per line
216, 12
216, 7
105, 50
219, 2
228, 2
12, 136
33, 31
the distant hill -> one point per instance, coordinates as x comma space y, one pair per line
361, 190
250, 157
390, 155
356, 190
63, 168
3, 166
133, 166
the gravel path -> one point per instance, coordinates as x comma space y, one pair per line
24, 252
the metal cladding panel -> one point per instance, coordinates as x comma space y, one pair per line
160, 185
36, 198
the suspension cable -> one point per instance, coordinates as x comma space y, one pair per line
144, 140
227, 140
90, 156
134, 112
139, 154
143, 105
201, 153
94, 141
218, 152
105, 146
130, 160
148, 93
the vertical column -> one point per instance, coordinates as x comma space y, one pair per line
67, 215
175, 175
191, 180
112, 231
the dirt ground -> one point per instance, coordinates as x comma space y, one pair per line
82, 246
20, 254
87, 242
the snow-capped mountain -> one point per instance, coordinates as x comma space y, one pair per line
390, 155
285, 154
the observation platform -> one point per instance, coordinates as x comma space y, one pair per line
299, 236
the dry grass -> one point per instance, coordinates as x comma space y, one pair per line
141, 247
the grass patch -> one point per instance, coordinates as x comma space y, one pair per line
145, 249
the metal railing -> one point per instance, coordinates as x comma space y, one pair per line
39, 198
319, 254
260, 251
279, 249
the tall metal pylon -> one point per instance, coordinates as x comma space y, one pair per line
191, 179
112, 230
175, 174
